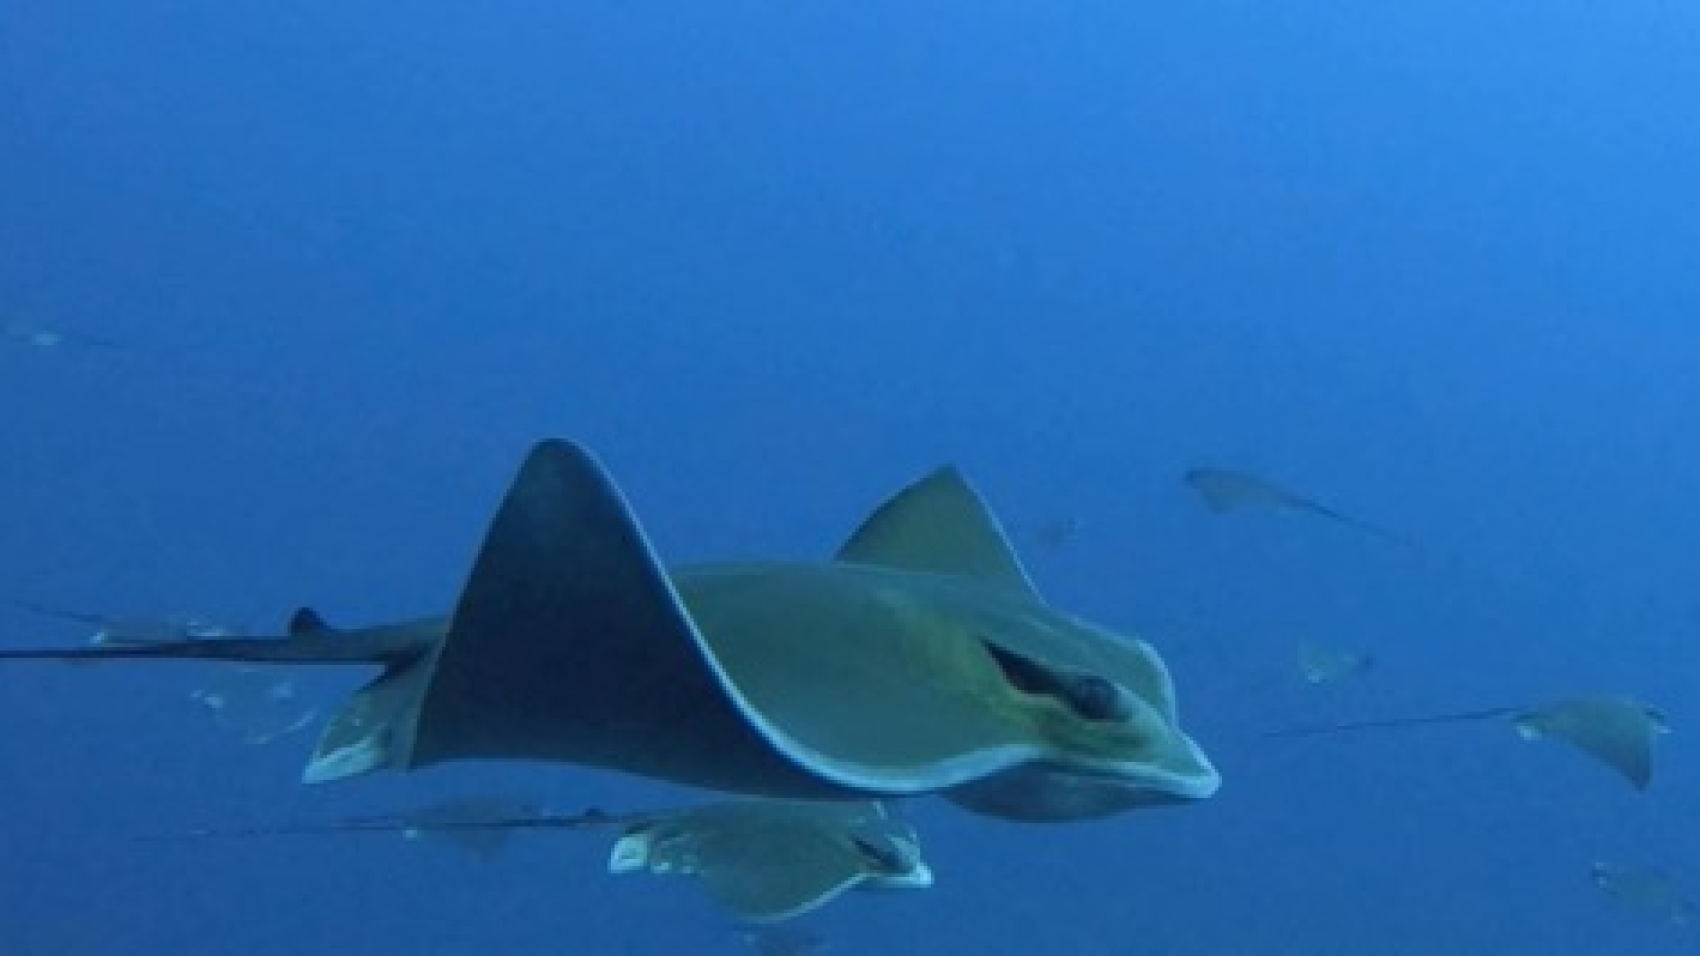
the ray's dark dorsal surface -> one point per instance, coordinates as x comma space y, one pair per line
1223, 490
920, 659
1617, 731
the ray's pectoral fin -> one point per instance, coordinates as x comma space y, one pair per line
940, 525
568, 631
568, 643
374, 729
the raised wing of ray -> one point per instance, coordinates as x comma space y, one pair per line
940, 525
1616, 731
1223, 490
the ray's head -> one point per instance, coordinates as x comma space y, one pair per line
1105, 726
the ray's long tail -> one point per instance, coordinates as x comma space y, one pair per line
1459, 717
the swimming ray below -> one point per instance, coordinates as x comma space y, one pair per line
762, 860
767, 861
1223, 490
1616, 731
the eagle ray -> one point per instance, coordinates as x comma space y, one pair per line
918, 659
1616, 731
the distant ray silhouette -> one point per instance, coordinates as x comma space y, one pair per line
256, 705
42, 337
1053, 534
117, 630
1645, 888
782, 939
1616, 731
1223, 490
1319, 664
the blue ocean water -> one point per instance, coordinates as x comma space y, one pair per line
1434, 264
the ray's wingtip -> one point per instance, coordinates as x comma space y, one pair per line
363, 757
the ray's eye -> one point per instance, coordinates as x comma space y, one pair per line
1096, 698
1089, 696
882, 856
